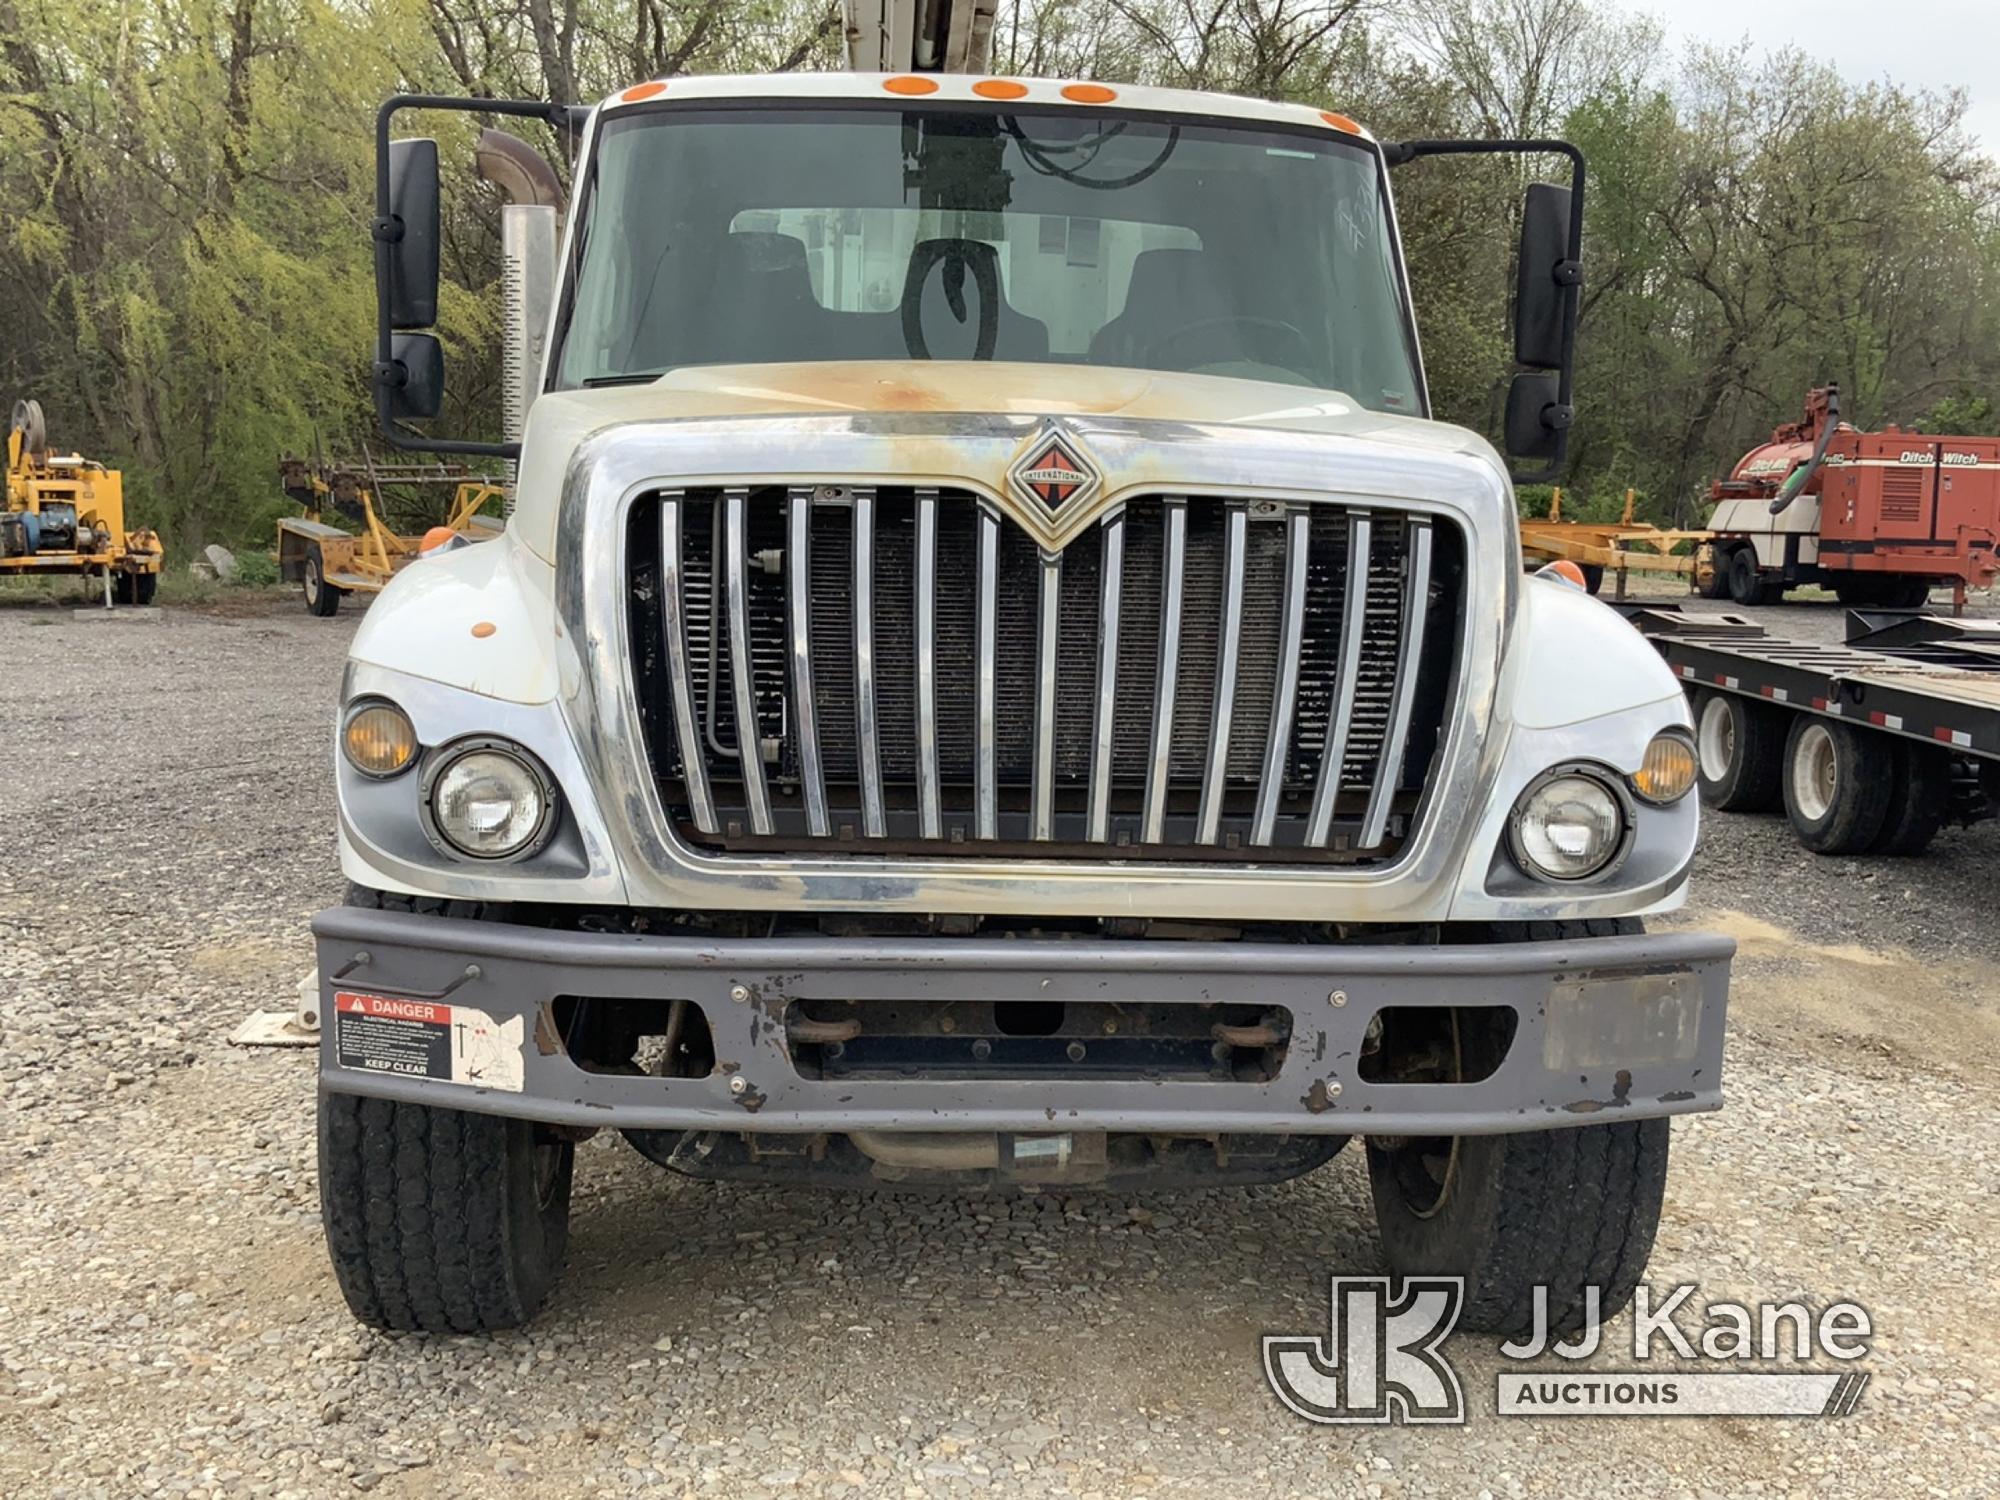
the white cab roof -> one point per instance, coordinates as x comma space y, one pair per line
954, 87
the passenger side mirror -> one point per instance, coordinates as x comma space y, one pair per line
409, 365
409, 228
413, 385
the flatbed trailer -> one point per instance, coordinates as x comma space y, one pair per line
1868, 747
1618, 547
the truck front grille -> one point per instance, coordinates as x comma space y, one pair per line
918, 678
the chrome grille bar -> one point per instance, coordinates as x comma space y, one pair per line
736, 593
930, 817
986, 774
673, 620
1416, 604
1208, 819
873, 824
1353, 626
1284, 697
1112, 569
1166, 675
798, 611
1042, 786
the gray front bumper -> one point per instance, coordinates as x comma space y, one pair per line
1609, 1028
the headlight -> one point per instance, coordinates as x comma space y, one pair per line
487, 799
1568, 826
1666, 774
378, 739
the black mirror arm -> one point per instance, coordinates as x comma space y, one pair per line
1568, 272
387, 230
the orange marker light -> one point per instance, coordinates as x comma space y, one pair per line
640, 91
1000, 88
1089, 93
1340, 122
908, 84
1567, 571
483, 629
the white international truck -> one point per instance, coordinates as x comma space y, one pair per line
994, 680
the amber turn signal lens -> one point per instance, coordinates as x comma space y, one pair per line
378, 739
1667, 772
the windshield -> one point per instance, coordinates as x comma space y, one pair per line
739, 236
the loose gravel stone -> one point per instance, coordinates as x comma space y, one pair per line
168, 1325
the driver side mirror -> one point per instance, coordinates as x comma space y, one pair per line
1545, 278
1547, 287
1537, 419
1548, 282
1548, 294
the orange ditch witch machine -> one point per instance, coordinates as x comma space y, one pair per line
1881, 518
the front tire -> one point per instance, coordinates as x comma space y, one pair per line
1567, 1209
1838, 781
441, 1221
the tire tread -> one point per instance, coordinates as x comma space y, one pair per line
1571, 1208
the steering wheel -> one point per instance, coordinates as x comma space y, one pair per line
1150, 355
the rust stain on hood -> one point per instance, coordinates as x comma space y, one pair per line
961, 386
914, 409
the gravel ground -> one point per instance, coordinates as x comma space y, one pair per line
168, 1324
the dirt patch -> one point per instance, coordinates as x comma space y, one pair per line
1882, 1002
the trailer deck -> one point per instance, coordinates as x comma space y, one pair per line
1918, 677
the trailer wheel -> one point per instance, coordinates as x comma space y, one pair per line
1569, 1209
322, 598
441, 1221
1746, 581
1593, 577
1714, 583
1739, 753
1837, 784
1881, 591
1919, 797
134, 588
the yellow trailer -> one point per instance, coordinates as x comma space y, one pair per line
329, 562
65, 513
1619, 547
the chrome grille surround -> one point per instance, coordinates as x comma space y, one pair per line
837, 715
1287, 469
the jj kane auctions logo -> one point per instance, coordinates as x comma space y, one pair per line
1382, 1358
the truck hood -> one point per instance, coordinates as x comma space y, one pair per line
795, 400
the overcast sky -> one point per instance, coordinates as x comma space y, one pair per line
1934, 44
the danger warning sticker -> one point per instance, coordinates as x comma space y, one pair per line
423, 1039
